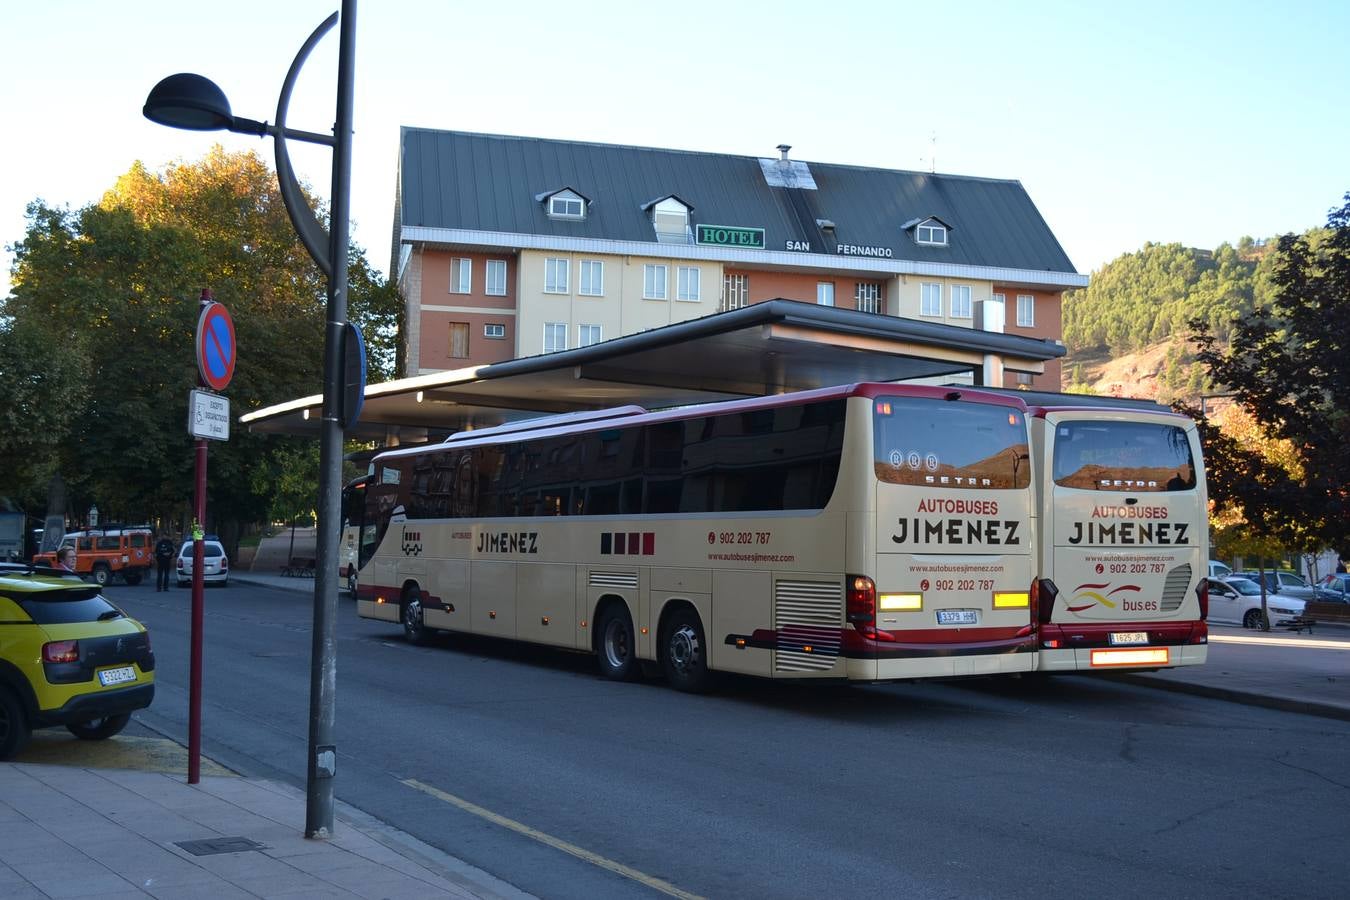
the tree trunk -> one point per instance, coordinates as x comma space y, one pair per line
1261, 579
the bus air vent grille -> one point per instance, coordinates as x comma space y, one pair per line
807, 614
614, 579
1174, 589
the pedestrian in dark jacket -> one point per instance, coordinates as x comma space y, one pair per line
164, 561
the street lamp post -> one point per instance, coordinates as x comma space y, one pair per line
195, 103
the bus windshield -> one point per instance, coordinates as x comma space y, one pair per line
1133, 456
937, 443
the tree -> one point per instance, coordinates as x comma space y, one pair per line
1289, 365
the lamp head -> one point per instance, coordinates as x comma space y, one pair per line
189, 101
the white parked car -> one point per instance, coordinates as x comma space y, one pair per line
1237, 601
215, 564
1218, 569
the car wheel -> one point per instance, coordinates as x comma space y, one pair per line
102, 574
414, 629
99, 729
684, 655
14, 730
618, 648
1255, 619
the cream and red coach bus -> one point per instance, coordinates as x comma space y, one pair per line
866, 532
1123, 539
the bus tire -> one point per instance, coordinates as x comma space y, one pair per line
410, 614
102, 574
684, 652
617, 648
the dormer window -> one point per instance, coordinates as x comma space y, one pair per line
670, 220
929, 232
565, 204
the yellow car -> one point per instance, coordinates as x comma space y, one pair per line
67, 657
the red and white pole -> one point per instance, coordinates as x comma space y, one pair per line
198, 604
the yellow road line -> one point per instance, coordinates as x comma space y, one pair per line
594, 859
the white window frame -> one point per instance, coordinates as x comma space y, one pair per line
930, 291
689, 284
587, 284
825, 293
597, 330
566, 205
1029, 320
962, 305
495, 331
461, 275
667, 211
931, 234
555, 266
490, 286
650, 285
735, 291
555, 330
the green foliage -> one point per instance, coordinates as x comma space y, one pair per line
1288, 364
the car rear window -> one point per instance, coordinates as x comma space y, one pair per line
68, 607
209, 551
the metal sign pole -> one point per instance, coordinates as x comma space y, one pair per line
198, 602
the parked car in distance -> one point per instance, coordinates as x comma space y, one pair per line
1218, 569
215, 564
1237, 601
1282, 581
1334, 588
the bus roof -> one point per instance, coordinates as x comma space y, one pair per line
572, 418
556, 425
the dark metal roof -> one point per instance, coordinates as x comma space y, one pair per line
481, 182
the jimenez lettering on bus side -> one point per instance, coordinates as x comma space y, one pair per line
508, 542
957, 531
1130, 533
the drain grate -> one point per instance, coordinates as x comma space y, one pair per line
219, 845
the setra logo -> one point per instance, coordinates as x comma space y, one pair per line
411, 544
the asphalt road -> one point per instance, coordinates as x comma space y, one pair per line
492, 750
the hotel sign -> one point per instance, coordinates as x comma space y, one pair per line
729, 236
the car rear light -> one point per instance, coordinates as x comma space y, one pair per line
224, 563
861, 605
1202, 594
180, 563
1043, 594
61, 651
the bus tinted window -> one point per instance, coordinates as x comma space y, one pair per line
1131, 456
936, 443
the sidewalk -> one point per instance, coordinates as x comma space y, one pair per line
112, 833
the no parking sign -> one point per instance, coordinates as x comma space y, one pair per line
215, 346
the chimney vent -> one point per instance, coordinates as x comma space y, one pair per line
783, 149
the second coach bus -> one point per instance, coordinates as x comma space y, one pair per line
866, 532
1123, 539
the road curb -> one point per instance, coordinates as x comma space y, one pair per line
1248, 698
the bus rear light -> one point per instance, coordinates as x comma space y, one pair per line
807, 648
883, 407
901, 602
1012, 600
1052, 644
1155, 656
861, 605
1202, 594
740, 643
61, 652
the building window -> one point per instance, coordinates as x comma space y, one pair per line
735, 291
867, 297
825, 293
930, 299
653, 282
566, 205
555, 276
459, 340
555, 336
931, 232
670, 218
690, 283
1026, 310
497, 332
461, 276
961, 301
496, 277
592, 278
588, 334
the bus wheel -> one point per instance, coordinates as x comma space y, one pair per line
618, 649
102, 575
684, 654
414, 629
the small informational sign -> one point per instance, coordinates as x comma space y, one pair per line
208, 416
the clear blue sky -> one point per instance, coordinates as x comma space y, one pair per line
1190, 122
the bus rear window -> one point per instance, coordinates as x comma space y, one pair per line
941, 443
1123, 456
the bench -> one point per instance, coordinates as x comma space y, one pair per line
299, 567
1328, 611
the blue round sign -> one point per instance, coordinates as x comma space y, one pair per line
215, 346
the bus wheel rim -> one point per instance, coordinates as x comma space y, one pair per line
683, 648
616, 646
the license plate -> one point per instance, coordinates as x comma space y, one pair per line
1125, 638
116, 676
957, 616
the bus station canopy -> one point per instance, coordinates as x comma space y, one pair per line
765, 348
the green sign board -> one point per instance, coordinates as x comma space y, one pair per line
729, 236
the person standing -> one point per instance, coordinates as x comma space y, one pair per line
163, 561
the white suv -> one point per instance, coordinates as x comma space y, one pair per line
215, 564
